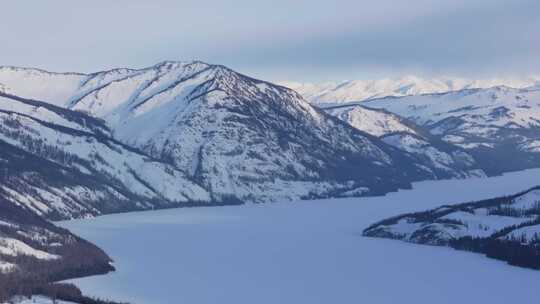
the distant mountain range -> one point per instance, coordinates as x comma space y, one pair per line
359, 90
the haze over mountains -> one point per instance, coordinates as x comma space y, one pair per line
358, 90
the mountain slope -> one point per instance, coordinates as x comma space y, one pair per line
34, 252
372, 121
359, 90
506, 228
499, 126
242, 139
63, 164
443, 160
238, 136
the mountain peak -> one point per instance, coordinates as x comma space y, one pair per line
171, 64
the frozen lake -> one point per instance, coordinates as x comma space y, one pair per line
301, 252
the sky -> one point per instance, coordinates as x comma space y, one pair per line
275, 40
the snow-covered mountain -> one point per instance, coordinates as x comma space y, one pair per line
358, 90
506, 228
499, 126
240, 139
219, 136
442, 159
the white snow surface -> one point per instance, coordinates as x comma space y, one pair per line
374, 122
478, 225
34, 83
302, 252
528, 234
38, 300
420, 146
13, 247
6, 267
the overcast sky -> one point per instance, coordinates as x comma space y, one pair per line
279, 39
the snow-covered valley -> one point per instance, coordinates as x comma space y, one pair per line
301, 252
180, 134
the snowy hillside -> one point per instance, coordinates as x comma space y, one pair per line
62, 164
442, 159
506, 228
241, 139
372, 121
34, 252
358, 90
500, 126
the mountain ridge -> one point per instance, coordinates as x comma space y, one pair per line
360, 90
240, 138
448, 160
498, 125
